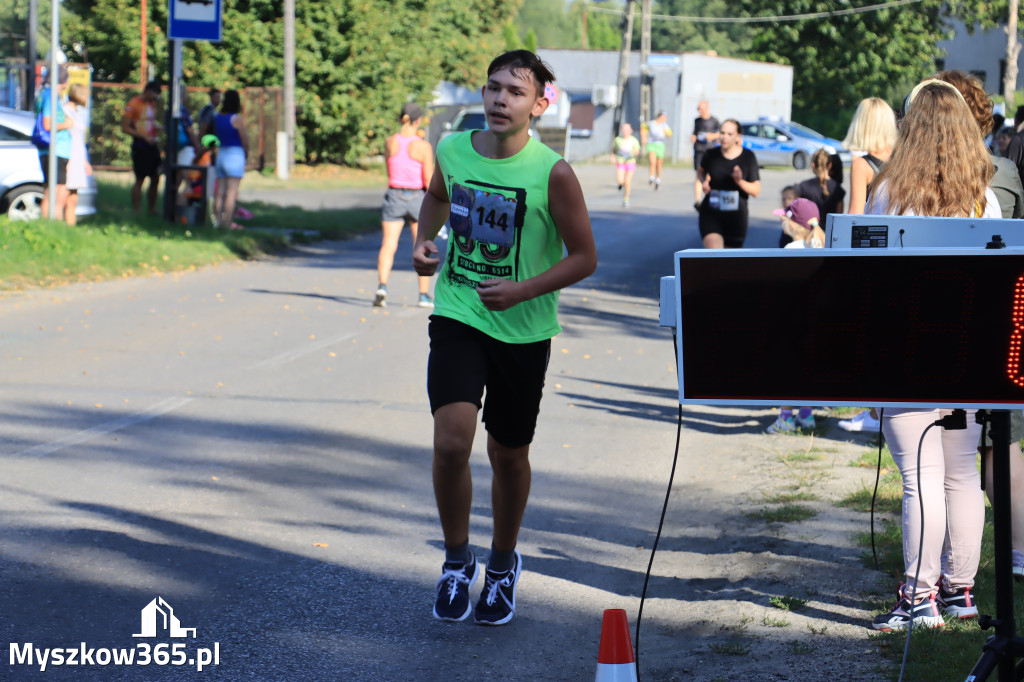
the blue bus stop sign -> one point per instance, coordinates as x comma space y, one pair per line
194, 20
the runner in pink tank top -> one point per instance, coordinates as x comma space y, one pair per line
410, 162
404, 172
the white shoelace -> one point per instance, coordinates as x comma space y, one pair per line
453, 579
493, 585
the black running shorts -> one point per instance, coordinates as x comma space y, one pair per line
464, 362
145, 159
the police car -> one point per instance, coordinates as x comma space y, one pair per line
784, 143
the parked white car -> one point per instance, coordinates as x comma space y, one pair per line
21, 176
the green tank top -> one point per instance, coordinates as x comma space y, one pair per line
499, 227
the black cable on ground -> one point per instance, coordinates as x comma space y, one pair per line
647, 576
874, 494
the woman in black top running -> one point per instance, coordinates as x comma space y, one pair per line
729, 174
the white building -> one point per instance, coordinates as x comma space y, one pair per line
982, 53
734, 88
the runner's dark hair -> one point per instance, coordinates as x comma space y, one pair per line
518, 61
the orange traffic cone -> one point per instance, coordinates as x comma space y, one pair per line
615, 662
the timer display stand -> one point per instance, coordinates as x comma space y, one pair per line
881, 327
1003, 651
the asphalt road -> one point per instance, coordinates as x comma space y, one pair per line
251, 443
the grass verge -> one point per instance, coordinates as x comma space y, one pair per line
118, 243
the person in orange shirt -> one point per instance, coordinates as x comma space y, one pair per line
141, 124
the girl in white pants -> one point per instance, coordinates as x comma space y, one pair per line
954, 515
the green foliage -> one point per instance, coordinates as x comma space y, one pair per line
510, 36
787, 603
530, 41
550, 23
728, 40
841, 60
357, 61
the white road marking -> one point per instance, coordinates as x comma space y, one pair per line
162, 407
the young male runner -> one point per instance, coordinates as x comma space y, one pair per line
512, 205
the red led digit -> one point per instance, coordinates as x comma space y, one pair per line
1013, 369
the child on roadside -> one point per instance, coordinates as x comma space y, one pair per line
194, 188
514, 208
789, 193
800, 224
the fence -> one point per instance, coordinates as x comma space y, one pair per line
110, 149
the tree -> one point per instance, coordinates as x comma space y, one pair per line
726, 39
549, 22
357, 61
840, 60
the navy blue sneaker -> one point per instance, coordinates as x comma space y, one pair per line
959, 603
452, 602
497, 604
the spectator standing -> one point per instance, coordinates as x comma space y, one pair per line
229, 127
997, 124
870, 137
1003, 137
729, 175
939, 167
625, 150
410, 161
140, 122
826, 193
208, 113
1005, 183
1015, 148
519, 233
79, 169
188, 143
60, 143
705, 134
653, 136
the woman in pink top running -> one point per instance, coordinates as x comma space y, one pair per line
410, 164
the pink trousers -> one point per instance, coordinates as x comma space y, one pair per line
954, 504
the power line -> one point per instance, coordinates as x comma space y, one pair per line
764, 20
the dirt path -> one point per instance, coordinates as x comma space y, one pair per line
733, 569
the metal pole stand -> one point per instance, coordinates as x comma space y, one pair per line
1003, 649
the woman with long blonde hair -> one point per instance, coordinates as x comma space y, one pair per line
870, 137
939, 167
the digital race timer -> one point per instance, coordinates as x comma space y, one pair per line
910, 328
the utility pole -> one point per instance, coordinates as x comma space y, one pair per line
143, 56
30, 57
584, 11
51, 157
284, 164
1012, 51
627, 40
645, 55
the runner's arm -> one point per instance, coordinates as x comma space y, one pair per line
424, 153
433, 213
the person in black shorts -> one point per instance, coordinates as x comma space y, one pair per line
519, 232
140, 121
729, 175
705, 134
